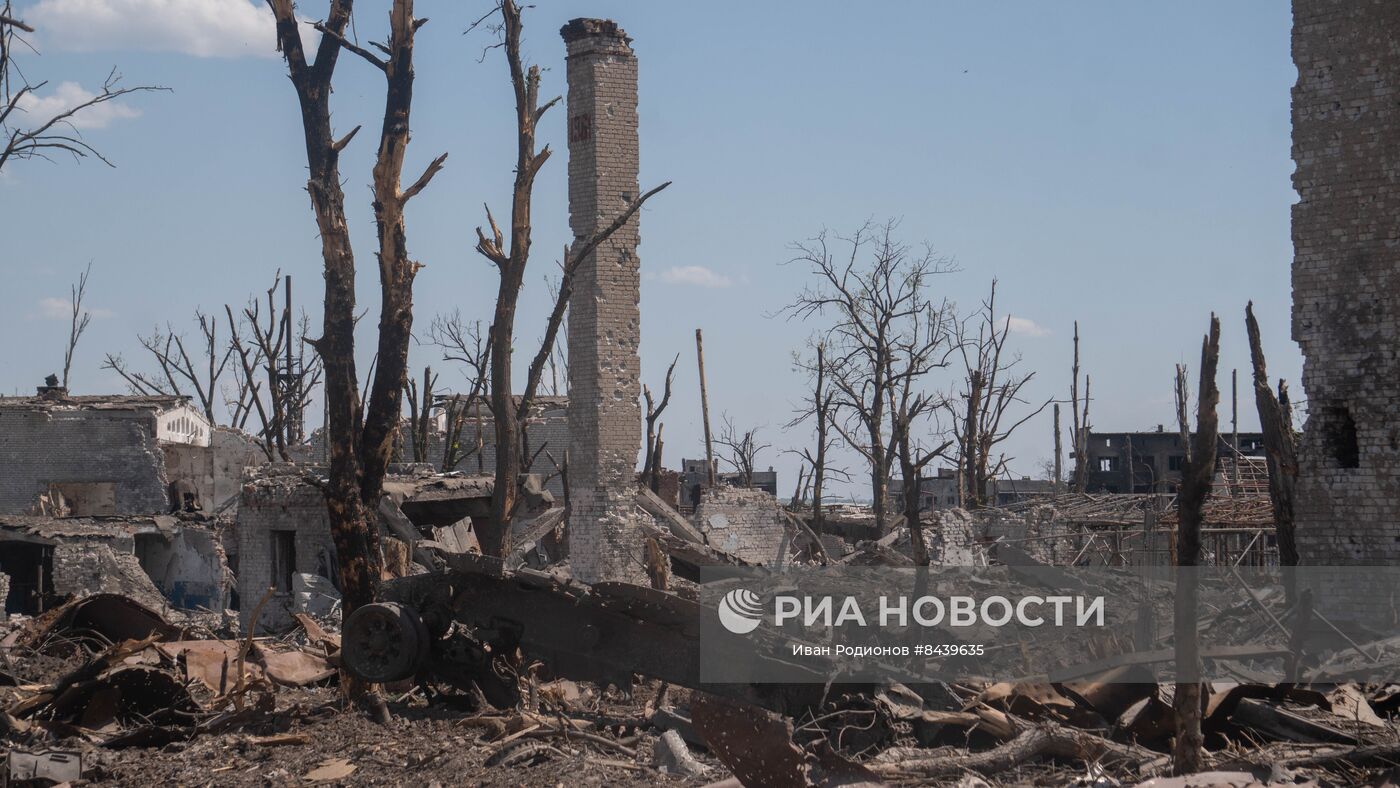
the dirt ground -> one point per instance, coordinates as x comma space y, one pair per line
424, 746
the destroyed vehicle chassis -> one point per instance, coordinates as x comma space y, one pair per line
477, 616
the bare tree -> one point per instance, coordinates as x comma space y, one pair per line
508, 411
273, 374
179, 374
360, 441
992, 386
1280, 445
1079, 417
420, 412
820, 409
467, 345
742, 448
651, 468
1197, 476
25, 136
79, 318
877, 307
913, 458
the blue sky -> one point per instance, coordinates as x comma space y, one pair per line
1123, 164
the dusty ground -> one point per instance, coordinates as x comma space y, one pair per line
424, 746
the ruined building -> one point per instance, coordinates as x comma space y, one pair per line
1151, 462
99, 455
284, 531
605, 433
1346, 277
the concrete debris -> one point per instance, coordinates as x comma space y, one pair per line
44, 767
315, 595
671, 755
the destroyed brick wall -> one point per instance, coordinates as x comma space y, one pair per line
1038, 531
1346, 284
277, 509
605, 433
103, 565
742, 522
951, 536
113, 449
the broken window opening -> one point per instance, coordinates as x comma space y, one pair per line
30, 568
1339, 434
284, 560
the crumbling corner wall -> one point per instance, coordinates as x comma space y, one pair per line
742, 522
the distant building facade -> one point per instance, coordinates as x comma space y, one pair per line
694, 479
941, 491
1150, 462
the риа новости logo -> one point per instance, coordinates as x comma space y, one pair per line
740, 611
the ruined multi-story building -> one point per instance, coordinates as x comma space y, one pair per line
1151, 462
1346, 278
605, 432
940, 491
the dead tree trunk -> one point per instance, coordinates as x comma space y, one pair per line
1280, 444
420, 410
1197, 476
974, 497
359, 443
822, 403
651, 467
356, 542
1059, 452
79, 321
1079, 416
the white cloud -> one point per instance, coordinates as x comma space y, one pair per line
203, 28
53, 308
1028, 327
694, 275
60, 309
69, 95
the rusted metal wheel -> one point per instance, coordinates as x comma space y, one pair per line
384, 641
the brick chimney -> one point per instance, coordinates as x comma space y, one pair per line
51, 389
605, 433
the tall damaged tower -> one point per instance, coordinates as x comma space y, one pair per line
1346, 280
605, 433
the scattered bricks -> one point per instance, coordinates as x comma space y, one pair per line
605, 434
1346, 288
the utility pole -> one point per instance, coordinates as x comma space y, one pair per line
705, 411
1235, 423
1058, 449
